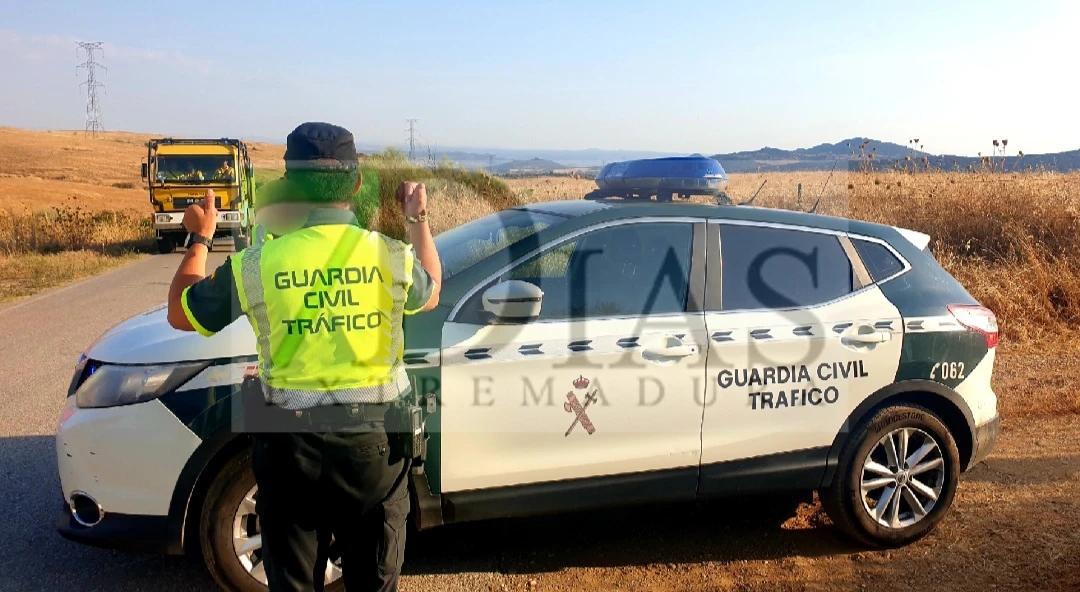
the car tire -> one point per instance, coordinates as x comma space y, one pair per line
219, 510
166, 245
929, 483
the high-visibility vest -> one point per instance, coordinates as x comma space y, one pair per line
326, 303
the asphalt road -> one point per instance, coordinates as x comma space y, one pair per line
41, 339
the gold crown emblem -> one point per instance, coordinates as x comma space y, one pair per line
581, 382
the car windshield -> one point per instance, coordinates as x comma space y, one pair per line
464, 246
197, 168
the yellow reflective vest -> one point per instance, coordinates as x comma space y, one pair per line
327, 303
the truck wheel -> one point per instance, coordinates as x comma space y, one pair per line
166, 244
229, 531
241, 241
896, 478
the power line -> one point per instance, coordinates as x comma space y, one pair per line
94, 124
412, 136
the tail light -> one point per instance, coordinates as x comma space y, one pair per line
977, 318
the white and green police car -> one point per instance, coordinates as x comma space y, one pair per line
588, 353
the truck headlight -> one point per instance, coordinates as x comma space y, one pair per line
113, 385
163, 218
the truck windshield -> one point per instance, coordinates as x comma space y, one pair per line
195, 169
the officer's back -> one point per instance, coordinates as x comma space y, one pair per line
326, 300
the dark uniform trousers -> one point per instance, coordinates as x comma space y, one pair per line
350, 483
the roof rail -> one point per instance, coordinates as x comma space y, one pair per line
198, 141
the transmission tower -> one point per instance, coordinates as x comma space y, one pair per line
412, 136
94, 124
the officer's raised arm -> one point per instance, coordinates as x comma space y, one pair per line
196, 302
413, 200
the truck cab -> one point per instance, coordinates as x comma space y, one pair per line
179, 171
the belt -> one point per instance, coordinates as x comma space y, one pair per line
262, 416
342, 414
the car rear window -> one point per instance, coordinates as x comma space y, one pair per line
778, 268
878, 259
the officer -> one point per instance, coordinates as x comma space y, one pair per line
326, 302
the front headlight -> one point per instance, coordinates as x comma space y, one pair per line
111, 385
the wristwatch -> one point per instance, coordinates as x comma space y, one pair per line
193, 238
416, 219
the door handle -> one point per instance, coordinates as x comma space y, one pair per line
875, 336
672, 351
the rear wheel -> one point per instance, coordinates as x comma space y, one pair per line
229, 531
896, 479
166, 244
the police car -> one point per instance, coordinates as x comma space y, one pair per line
588, 353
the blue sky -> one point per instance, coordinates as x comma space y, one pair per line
671, 76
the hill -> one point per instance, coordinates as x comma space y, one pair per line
42, 169
533, 166
846, 154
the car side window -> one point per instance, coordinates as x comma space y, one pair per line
625, 270
878, 259
774, 268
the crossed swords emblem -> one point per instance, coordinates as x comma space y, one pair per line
572, 405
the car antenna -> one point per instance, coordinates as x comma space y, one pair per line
813, 210
751, 200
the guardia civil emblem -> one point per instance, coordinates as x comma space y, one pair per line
573, 405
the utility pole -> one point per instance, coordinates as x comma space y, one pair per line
491, 161
412, 136
94, 124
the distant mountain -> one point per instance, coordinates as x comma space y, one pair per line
847, 154
532, 166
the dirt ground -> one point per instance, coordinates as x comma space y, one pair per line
1014, 526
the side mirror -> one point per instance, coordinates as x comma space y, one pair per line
513, 300
144, 171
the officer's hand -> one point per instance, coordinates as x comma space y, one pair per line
201, 218
413, 198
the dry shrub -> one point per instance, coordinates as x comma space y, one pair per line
73, 229
455, 195
1011, 239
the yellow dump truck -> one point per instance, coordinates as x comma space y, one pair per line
179, 171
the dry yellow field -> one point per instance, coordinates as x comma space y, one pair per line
44, 169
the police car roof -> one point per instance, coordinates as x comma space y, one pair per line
621, 208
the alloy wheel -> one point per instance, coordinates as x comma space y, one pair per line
247, 541
902, 477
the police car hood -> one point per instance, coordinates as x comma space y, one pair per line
147, 338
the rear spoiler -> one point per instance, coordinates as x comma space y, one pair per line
918, 239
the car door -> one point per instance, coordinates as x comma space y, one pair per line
608, 380
799, 335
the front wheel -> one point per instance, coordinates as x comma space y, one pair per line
166, 244
896, 478
241, 241
229, 531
